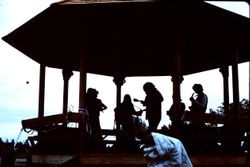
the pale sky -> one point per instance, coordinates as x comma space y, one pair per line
19, 100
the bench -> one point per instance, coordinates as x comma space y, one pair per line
41, 124
53, 130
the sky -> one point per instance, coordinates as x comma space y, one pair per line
19, 79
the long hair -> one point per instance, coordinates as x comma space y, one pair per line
127, 99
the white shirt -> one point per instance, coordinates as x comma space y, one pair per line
170, 148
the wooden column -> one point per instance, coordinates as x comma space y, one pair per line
176, 78
67, 73
119, 80
83, 80
82, 96
235, 77
224, 71
41, 91
234, 143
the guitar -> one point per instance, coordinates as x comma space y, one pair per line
141, 110
136, 100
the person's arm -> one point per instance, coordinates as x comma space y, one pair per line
137, 100
192, 98
104, 107
156, 159
139, 113
101, 106
203, 101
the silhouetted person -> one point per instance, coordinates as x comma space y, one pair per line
162, 150
198, 106
152, 102
176, 116
94, 106
198, 103
124, 116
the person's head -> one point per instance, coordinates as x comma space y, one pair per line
92, 92
148, 87
127, 99
141, 130
197, 88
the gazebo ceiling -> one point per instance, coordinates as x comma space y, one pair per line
138, 38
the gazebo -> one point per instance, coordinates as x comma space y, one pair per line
133, 38
122, 38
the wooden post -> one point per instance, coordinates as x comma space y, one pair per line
235, 77
234, 144
224, 72
176, 78
41, 91
83, 80
119, 80
82, 94
67, 73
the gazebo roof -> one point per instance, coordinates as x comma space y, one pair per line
134, 38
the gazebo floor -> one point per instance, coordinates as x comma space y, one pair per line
126, 160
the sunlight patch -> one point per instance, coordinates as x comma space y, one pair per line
241, 8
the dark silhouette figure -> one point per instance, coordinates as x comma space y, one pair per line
176, 116
162, 150
198, 106
152, 102
124, 116
198, 103
94, 106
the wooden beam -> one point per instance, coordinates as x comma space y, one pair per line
133, 159
215, 160
51, 159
